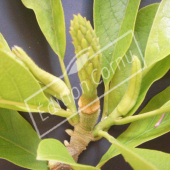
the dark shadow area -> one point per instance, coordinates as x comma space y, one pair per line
148, 2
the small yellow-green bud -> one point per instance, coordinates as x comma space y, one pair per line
73, 32
76, 25
83, 29
90, 68
55, 84
84, 43
79, 35
88, 36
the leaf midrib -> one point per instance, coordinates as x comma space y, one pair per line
17, 145
115, 18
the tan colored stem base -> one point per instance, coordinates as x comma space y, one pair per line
80, 139
82, 134
53, 165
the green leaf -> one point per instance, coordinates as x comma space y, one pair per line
119, 82
143, 26
163, 67
113, 20
158, 45
18, 141
161, 160
141, 159
51, 149
17, 84
50, 17
138, 162
143, 130
4, 43
158, 101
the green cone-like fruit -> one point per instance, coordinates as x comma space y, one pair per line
88, 54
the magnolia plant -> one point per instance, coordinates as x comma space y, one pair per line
129, 48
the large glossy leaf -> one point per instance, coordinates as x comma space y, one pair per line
51, 149
18, 141
17, 85
50, 17
158, 45
119, 82
114, 21
144, 130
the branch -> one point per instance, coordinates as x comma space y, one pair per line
72, 105
141, 116
110, 120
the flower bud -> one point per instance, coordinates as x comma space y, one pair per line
85, 40
53, 83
